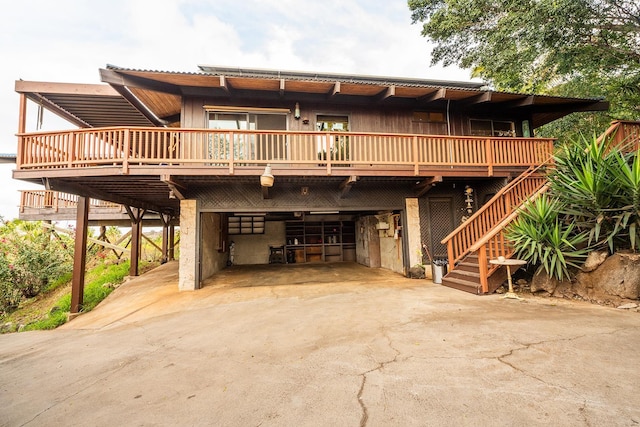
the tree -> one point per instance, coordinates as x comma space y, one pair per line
583, 48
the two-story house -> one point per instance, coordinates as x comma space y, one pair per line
294, 167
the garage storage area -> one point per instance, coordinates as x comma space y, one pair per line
317, 241
262, 239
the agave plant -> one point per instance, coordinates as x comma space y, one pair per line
598, 186
540, 236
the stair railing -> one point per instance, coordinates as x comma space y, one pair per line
495, 243
500, 206
623, 132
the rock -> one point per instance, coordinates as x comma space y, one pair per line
521, 282
628, 306
618, 276
543, 282
594, 260
416, 272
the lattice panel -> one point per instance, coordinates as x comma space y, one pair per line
289, 197
440, 216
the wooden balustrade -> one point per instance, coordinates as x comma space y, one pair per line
127, 147
491, 213
495, 243
624, 133
55, 200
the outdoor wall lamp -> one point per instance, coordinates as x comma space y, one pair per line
296, 111
266, 179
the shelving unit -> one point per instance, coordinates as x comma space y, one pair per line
320, 241
246, 225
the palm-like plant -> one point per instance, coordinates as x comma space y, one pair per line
599, 189
595, 204
541, 237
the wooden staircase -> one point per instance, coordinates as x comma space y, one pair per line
482, 237
466, 275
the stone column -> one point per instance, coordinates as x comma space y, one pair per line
412, 230
189, 275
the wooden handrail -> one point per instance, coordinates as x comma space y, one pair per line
460, 240
623, 132
128, 147
495, 244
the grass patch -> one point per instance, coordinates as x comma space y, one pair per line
100, 281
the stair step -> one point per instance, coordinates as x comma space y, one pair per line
462, 285
467, 266
464, 274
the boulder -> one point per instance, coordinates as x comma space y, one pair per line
594, 260
542, 282
618, 276
416, 272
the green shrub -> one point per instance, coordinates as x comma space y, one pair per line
540, 237
595, 204
599, 189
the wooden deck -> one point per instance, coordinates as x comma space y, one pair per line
216, 152
48, 205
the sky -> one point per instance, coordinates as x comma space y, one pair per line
70, 40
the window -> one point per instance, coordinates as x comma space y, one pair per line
482, 127
429, 116
332, 123
339, 146
247, 146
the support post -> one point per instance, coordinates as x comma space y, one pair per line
136, 230
22, 126
172, 242
165, 237
80, 255
135, 214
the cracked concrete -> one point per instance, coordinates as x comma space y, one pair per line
278, 346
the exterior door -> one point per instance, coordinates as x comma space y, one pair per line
441, 223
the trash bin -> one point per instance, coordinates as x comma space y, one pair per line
438, 269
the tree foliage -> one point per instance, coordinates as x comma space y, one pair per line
583, 48
31, 257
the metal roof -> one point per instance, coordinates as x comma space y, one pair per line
85, 105
7, 158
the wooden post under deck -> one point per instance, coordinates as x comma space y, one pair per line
80, 255
136, 237
136, 229
165, 236
172, 242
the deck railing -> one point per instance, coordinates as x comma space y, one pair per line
55, 200
460, 241
624, 133
127, 147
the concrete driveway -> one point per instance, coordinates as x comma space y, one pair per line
303, 346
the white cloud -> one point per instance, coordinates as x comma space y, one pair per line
69, 40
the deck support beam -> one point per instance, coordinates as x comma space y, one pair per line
172, 243
165, 219
135, 215
424, 186
345, 186
79, 255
